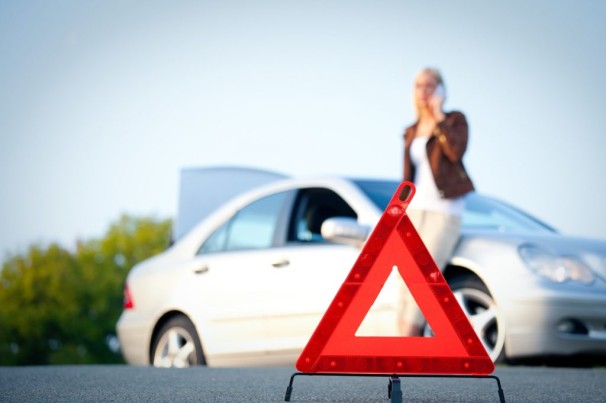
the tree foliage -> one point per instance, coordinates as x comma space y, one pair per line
61, 307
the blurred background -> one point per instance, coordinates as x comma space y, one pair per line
104, 102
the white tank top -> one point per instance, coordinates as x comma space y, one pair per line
427, 196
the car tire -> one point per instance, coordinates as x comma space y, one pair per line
483, 313
177, 345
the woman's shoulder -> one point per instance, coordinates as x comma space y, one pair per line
410, 130
455, 116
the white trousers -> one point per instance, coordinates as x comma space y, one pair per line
440, 234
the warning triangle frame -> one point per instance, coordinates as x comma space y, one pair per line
454, 349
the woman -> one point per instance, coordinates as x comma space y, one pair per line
433, 151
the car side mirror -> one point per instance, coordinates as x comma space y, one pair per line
344, 230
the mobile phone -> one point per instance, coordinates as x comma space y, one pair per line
439, 91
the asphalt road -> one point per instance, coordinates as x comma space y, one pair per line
122, 383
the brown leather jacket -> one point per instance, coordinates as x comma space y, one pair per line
445, 149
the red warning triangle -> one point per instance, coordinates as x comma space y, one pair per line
454, 348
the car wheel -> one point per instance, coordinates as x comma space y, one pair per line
482, 312
177, 345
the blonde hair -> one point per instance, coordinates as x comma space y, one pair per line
439, 81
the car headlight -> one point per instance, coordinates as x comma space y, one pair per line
558, 269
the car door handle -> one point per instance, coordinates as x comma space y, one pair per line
201, 270
280, 263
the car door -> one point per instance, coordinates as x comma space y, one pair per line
313, 269
312, 277
237, 267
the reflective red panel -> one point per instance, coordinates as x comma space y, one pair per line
454, 348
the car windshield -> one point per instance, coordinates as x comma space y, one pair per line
481, 212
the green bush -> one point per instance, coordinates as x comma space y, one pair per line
61, 307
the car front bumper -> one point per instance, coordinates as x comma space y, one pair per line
556, 325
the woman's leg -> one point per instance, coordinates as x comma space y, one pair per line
440, 233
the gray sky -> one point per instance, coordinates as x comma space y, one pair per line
103, 102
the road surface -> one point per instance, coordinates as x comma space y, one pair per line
121, 383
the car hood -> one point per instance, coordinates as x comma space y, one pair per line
559, 243
591, 251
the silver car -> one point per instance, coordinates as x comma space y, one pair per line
250, 282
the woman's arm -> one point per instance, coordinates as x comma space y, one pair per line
452, 135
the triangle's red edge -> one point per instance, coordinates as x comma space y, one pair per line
455, 347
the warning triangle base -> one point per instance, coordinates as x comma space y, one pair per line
394, 391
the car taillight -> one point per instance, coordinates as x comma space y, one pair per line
128, 300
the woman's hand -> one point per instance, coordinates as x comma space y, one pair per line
435, 105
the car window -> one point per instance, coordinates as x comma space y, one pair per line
481, 212
217, 241
312, 207
379, 192
486, 213
253, 227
